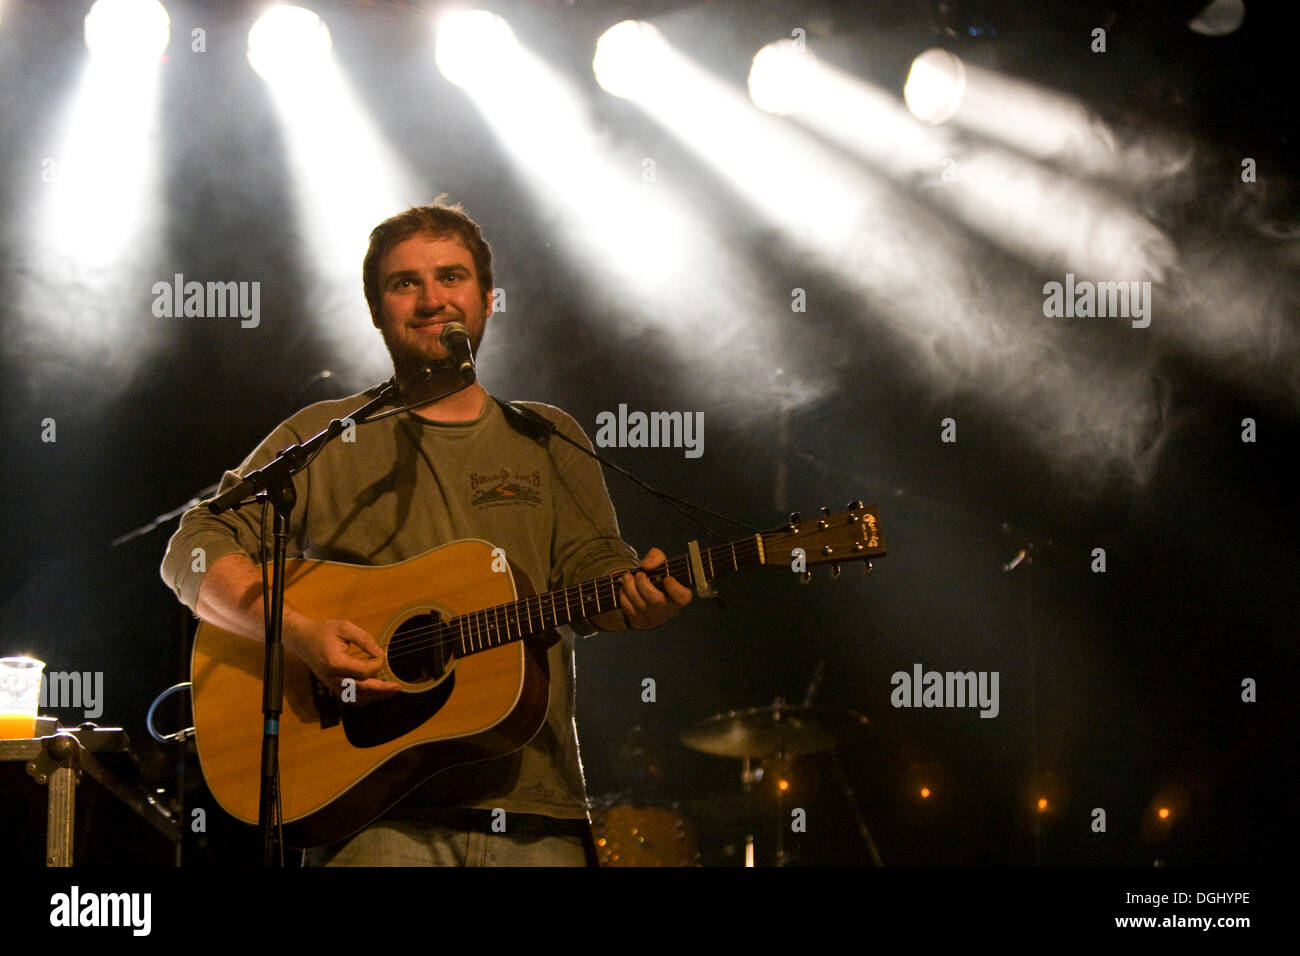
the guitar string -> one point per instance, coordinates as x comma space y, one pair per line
492, 621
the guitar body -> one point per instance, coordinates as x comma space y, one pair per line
343, 765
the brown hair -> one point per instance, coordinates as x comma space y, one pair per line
437, 220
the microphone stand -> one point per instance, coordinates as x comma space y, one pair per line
274, 483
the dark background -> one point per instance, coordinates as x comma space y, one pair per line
1119, 690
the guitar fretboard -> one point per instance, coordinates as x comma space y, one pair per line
495, 626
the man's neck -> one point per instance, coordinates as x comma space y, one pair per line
463, 406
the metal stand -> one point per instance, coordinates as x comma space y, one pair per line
57, 762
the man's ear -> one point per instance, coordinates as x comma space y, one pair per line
487, 303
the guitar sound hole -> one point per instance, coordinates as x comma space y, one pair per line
415, 651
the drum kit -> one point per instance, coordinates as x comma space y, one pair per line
638, 827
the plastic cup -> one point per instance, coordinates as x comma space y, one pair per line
20, 695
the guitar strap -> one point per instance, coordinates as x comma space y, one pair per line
526, 421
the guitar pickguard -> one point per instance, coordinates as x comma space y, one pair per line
369, 725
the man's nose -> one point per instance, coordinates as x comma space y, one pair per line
432, 298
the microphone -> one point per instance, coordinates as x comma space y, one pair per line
455, 339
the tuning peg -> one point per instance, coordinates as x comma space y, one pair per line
835, 570
822, 522
826, 512
866, 569
805, 577
853, 506
795, 518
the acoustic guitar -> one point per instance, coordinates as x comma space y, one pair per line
466, 636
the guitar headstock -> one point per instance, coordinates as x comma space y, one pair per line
849, 535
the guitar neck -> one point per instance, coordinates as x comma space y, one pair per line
495, 626
852, 535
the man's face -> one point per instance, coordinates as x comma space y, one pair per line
425, 283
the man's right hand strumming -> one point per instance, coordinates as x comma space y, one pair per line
231, 598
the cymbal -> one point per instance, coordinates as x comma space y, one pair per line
773, 731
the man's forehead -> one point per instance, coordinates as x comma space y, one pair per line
424, 250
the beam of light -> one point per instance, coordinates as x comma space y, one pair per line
971, 324
101, 177
658, 260
1045, 126
103, 174
96, 210
1041, 215
751, 150
1238, 299
346, 179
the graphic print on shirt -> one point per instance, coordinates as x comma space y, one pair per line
505, 487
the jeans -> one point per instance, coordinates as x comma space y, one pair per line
461, 838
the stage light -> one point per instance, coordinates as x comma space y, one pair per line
1219, 18
1042, 804
1169, 811
627, 58
287, 43
925, 793
473, 47
127, 32
935, 86
783, 785
779, 77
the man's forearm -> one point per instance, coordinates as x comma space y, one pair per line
231, 598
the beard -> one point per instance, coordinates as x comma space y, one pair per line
411, 358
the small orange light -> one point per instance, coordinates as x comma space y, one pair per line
1164, 813
1042, 803
925, 792
783, 785
600, 842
